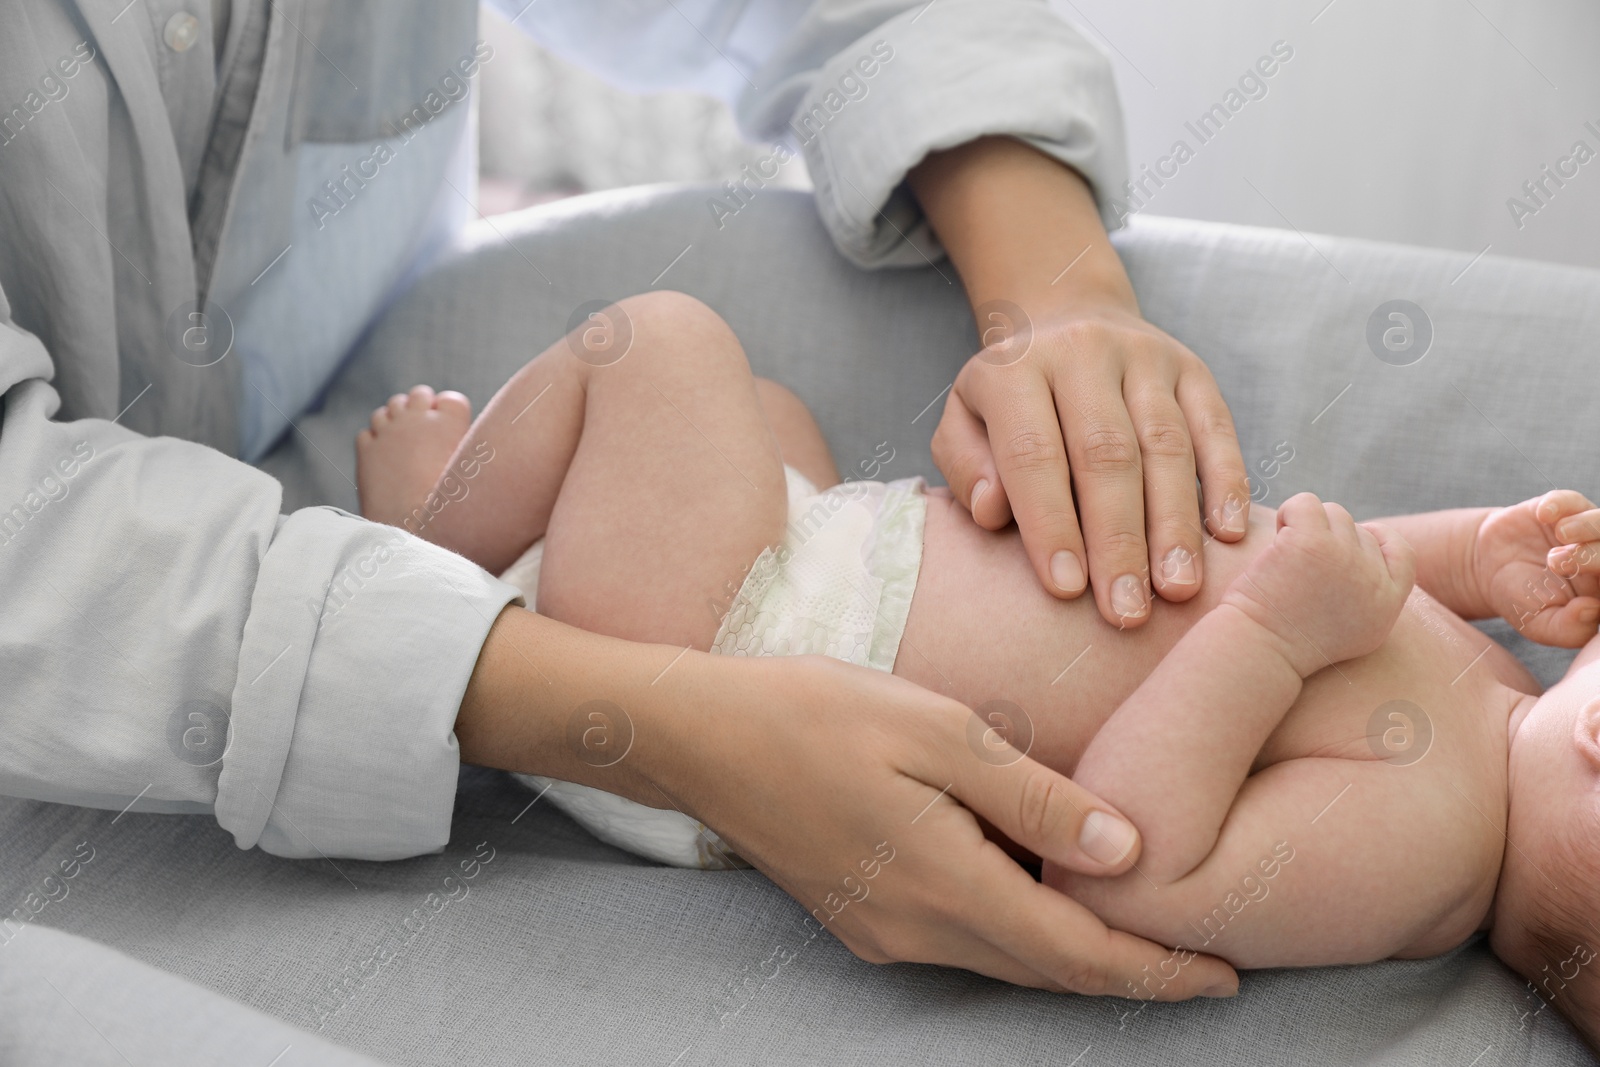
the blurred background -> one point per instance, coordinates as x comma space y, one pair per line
548, 129
1414, 121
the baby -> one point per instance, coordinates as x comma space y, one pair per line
1326, 764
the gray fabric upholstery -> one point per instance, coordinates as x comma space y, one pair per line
86, 1005
563, 950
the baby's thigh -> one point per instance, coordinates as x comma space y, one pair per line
675, 488
799, 438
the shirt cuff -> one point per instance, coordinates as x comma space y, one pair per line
943, 75
341, 739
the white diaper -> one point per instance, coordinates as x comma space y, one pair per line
840, 585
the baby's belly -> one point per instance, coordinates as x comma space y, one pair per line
982, 629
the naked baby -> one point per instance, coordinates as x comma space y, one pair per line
1325, 762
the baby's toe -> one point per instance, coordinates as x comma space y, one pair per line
453, 405
396, 405
420, 398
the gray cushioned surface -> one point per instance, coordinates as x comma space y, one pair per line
566, 951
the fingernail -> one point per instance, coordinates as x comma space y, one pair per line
1177, 567
1127, 597
1233, 515
1066, 572
977, 493
1220, 990
1106, 838
1589, 614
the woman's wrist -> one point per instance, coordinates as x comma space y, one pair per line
1022, 227
550, 699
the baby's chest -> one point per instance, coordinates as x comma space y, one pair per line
1420, 693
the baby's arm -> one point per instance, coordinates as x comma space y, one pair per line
1174, 756
1443, 542
1321, 861
1534, 564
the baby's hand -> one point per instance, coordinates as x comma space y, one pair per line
1537, 565
1328, 588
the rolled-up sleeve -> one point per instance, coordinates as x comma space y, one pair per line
172, 643
356, 651
865, 89
945, 73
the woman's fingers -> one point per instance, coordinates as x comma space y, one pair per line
1041, 929
961, 450
1019, 416
1047, 813
855, 791
1059, 938
1224, 486
1172, 506
903, 936
1003, 911
987, 914
1091, 435
1108, 468
999, 905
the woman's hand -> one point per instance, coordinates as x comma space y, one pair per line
816, 771
1128, 411
853, 790
1073, 390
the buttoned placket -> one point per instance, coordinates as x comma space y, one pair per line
185, 62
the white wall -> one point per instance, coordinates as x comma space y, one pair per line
547, 128
1400, 120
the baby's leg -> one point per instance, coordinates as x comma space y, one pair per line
799, 438
654, 479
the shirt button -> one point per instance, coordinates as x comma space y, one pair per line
182, 31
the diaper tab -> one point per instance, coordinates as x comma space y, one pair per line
841, 582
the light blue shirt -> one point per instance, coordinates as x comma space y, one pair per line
351, 239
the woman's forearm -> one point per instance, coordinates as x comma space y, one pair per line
1013, 221
533, 698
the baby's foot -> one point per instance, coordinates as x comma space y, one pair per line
401, 457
